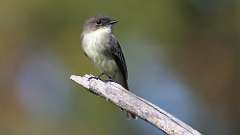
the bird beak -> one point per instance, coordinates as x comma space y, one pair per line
113, 21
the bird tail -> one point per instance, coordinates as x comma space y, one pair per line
130, 115
123, 81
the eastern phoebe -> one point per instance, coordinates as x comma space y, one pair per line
101, 46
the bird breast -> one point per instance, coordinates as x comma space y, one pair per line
94, 44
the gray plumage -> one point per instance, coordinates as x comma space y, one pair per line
101, 46
118, 56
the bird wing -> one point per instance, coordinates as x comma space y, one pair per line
118, 56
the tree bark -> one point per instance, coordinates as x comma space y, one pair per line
130, 102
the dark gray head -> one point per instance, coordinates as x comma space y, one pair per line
97, 22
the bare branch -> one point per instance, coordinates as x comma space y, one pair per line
139, 106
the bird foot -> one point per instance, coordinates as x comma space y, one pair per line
93, 77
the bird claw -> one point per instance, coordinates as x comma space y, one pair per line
109, 80
96, 77
93, 77
99, 78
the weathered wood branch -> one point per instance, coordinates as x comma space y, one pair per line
142, 108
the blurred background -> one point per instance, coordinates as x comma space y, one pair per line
183, 56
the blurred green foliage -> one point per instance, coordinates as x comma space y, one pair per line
40, 42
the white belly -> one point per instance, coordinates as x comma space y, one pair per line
94, 45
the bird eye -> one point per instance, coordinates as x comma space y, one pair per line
99, 22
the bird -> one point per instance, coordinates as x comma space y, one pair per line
101, 46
